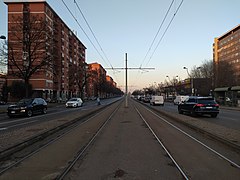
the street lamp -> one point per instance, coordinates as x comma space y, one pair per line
191, 80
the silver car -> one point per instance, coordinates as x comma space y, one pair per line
74, 102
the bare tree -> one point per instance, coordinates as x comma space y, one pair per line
225, 75
29, 47
205, 70
3, 55
78, 76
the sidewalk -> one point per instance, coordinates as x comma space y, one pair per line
230, 108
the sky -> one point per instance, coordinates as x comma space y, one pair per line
129, 26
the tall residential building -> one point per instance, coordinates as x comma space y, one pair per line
60, 44
226, 58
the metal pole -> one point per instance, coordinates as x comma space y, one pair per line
126, 88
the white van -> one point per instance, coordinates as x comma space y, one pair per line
180, 99
157, 100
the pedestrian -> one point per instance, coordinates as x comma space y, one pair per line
98, 101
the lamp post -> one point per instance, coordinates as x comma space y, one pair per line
191, 80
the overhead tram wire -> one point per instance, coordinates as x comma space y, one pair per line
160, 27
174, 15
93, 33
155, 37
83, 31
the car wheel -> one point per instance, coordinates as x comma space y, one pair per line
193, 113
29, 113
44, 111
213, 115
180, 111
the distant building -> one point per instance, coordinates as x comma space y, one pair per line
96, 80
226, 58
67, 51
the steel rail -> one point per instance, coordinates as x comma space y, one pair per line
65, 132
196, 140
161, 143
81, 152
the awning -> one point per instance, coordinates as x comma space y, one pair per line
221, 89
235, 88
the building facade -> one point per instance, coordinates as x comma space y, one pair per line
96, 80
226, 58
63, 77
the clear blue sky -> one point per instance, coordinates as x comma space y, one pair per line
129, 26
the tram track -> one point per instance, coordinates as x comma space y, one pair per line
81, 153
184, 171
19, 152
231, 163
190, 136
179, 151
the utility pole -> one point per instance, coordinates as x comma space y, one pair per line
126, 87
126, 70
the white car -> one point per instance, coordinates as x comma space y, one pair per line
180, 99
74, 102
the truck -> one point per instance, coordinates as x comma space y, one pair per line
157, 100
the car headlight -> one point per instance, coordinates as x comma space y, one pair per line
23, 109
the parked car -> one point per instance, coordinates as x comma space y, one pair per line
179, 99
195, 105
74, 102
157, 100
27, 107
146, 99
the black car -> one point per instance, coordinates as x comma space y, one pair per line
195, 105
28, 107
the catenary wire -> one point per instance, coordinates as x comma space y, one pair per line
83, 31
92, 33
160, 27
174, 15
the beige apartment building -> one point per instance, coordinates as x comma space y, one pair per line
226, 51
226, 58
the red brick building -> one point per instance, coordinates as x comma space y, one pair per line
62, 47
96, 80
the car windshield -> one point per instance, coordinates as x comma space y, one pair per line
73, 99
25, 101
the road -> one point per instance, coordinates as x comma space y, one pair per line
130, 143
53, 112
226, 118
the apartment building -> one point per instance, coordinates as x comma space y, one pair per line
226, 58
96, 80
63, 53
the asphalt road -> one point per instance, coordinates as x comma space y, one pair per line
227, 118
54, 111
